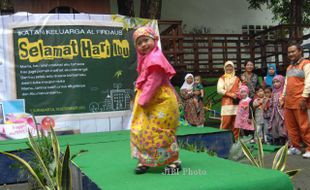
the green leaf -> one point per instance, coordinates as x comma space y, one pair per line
37, 128
35, 149
248, 154
66, 180
118, 74
279, 160
40, 137
292, 173
28, 167
56, 152
260, 152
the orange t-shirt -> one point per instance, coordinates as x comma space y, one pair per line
295, 85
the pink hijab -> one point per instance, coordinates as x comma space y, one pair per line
281, 79
154, 58
245, 88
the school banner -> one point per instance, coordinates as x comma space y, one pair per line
74, 69
77, 70
71, 66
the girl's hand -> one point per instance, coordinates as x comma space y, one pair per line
281, 102
260, 103
234, 96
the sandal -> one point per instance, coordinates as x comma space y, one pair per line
173, 168
141, 169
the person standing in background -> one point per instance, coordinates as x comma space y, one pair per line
245, 113
267, 113
271, 72
228, 85
259, 113
296, 100
277, 125
249, 78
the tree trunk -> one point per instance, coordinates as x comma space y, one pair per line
126, 7
296, 18
154, 9
150, 9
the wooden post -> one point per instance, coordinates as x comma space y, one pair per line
276, 52
210, 59
263, 53
238, 56
252, 48
180, 44
225, 57
174, 42
196, 56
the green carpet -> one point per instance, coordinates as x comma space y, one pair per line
102, 137
197, 130
108, 164
267, 148
110, 167
72, 140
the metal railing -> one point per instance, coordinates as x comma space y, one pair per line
205, 54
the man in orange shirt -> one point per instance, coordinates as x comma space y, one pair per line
296, 100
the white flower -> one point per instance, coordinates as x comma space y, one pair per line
161, 115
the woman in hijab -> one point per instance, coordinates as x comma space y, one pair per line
228, 86
271, 72
191, 115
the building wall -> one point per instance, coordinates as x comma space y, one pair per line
220, 16
40, 6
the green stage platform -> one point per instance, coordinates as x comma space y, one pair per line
102, 137
108, 164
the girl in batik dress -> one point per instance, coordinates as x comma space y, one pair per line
155, 114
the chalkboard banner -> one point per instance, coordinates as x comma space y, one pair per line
74, 68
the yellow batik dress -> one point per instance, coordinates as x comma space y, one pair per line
153, 128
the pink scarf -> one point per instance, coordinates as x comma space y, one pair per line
276, 94
243, 88
154, 58
281, 79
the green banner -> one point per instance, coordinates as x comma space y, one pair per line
74, 69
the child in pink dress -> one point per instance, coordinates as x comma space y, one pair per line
244, 113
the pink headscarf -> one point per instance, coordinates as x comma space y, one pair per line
281, 79
155, 57
243, 88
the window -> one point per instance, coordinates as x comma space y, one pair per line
252, 29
